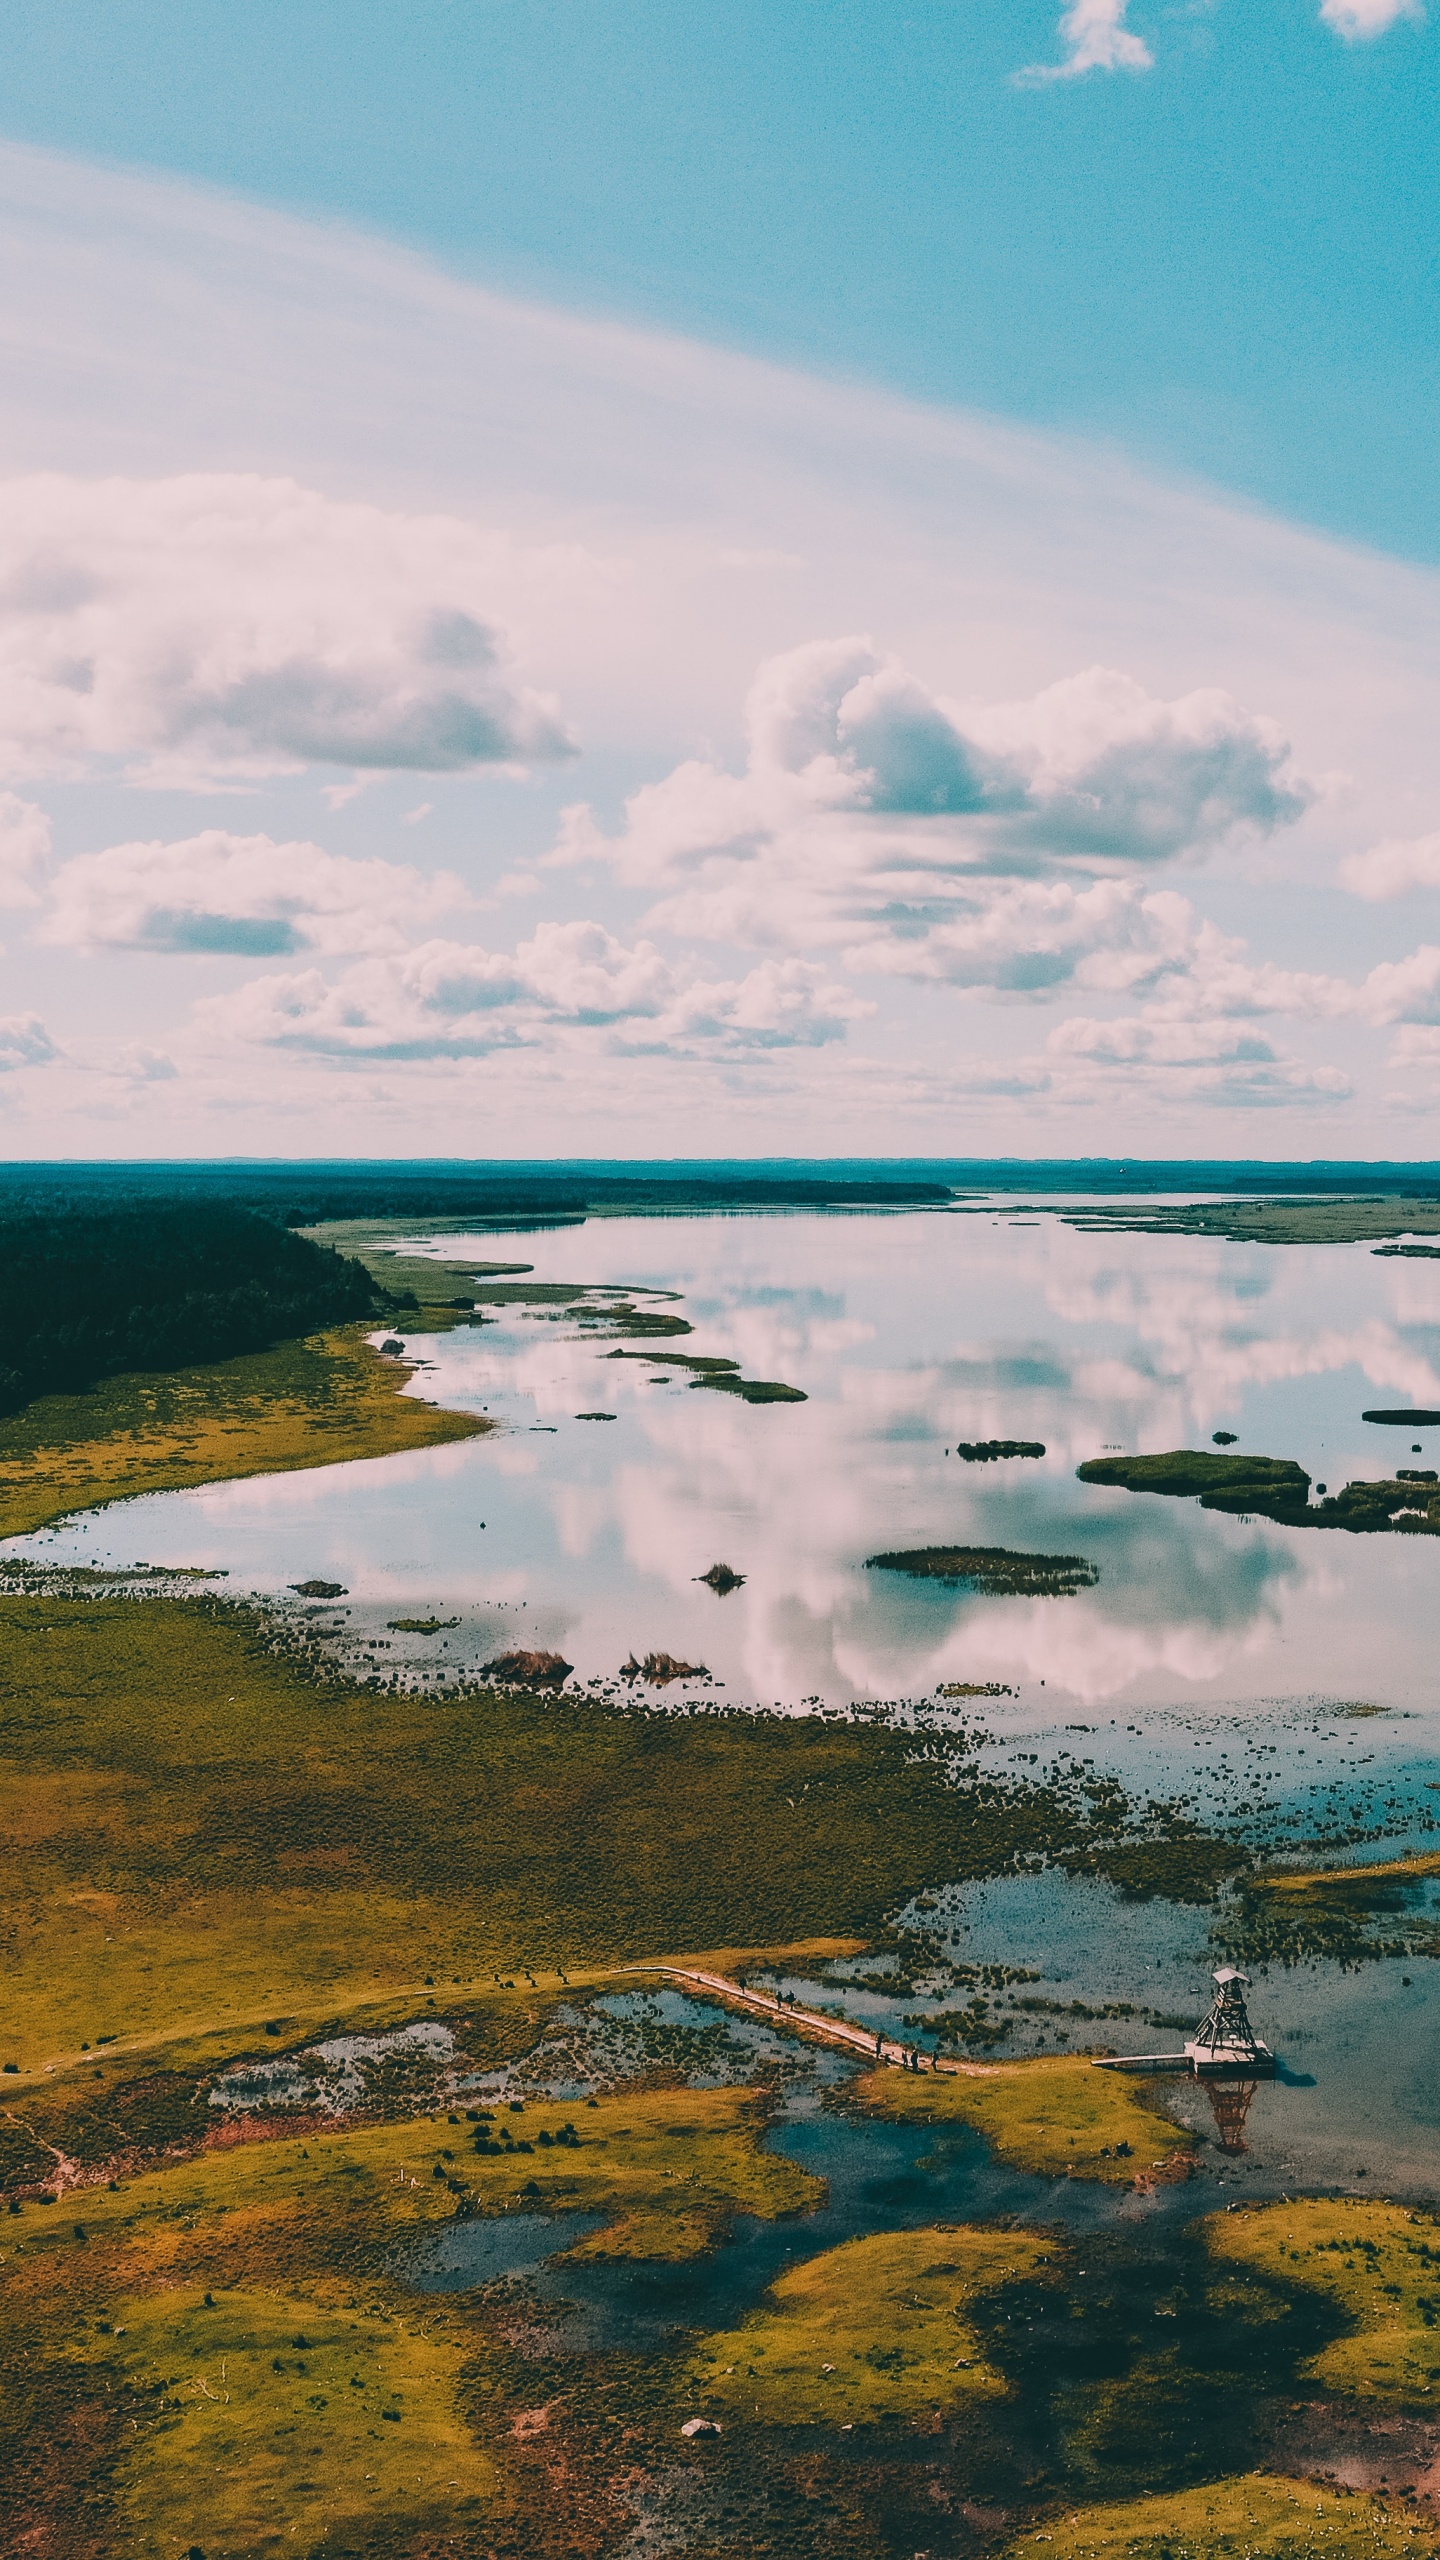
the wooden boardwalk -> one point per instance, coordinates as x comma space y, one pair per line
820, 2023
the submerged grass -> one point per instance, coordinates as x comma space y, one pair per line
314, 1403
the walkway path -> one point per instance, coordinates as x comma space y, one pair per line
819, 2022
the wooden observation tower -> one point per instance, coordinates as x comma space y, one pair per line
1226, 2041
1224, 2045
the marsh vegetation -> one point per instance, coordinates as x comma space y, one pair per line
998, 1572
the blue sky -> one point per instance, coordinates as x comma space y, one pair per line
619, 577
1226, 261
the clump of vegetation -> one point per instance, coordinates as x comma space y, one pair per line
1275, 1489
721, 1578
982, 1452
997, 1572
90, 1293
1057, 2118
753, 1390
878, 2328
661, 1668
532, 1670
420, 1626
315, 1589
1262, 1481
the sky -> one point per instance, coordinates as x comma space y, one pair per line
592, 576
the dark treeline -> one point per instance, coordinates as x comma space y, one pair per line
487, 1195
499, 1194
92, 1290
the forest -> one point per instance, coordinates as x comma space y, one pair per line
96, 1289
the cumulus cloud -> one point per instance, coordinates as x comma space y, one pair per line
1356, 20
1096, 38
1397, 864
459, 1000
1213, 1062
24, 851
244, 895
1405, 990
24, 1042
224, 625
986, 844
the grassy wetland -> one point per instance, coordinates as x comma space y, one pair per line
365, 2188
228, 1860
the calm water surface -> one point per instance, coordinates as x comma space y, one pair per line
907, 1333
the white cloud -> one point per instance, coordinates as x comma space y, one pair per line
1097, 39
459, 1000
1405, 990
1215, 981
1356, 20
225, 625
1219, 1063
1389, 869
246, 895
24, 1042
24, 851
930, 839
724, 508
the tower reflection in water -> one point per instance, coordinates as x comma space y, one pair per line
1230, 2102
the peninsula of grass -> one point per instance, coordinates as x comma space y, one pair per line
1055, 2117
1267, 1221
1275, 1489
878, 2328
1377, 2264
995, 1572
206, 1821
1254, 2515
314, 1403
